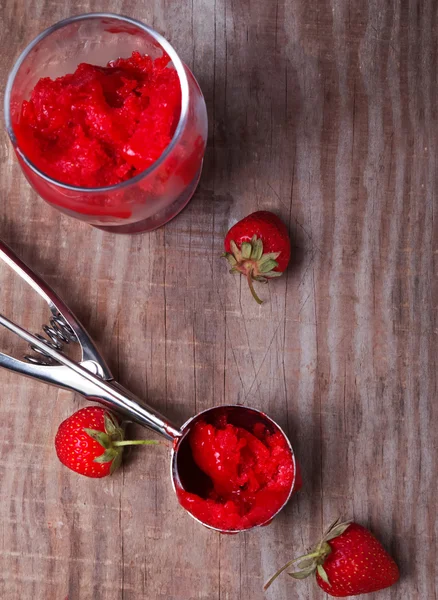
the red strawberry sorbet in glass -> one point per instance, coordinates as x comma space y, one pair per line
249, 475
108, 124
100, 126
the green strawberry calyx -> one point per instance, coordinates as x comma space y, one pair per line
314, 560
112, 441
251, 262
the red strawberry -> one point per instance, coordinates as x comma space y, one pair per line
258, 246
91, 442
348, 561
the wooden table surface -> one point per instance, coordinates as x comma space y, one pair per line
326, 113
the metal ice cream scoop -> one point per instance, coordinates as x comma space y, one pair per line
92, 378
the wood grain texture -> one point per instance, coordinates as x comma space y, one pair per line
326, 113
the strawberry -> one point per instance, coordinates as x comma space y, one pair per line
258, 247
91, 442
348, 561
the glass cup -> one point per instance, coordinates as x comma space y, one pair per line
155, 195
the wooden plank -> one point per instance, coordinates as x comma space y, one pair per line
324, 112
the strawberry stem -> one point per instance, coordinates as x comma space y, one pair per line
135, 443
251, 287
279, 572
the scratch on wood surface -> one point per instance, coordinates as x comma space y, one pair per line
249, 346
194, 367
219, 570
165, 320
263, 360
278, 197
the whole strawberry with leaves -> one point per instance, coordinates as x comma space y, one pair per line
348, 561
258, 247
91, 442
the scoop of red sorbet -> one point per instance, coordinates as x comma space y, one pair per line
100, 126
251, 473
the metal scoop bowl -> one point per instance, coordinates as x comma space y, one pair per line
186, 475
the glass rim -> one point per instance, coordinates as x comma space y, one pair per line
164, 44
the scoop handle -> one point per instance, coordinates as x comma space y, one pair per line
116, 397
77, 377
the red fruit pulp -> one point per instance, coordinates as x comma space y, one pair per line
100, 126
251, 474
